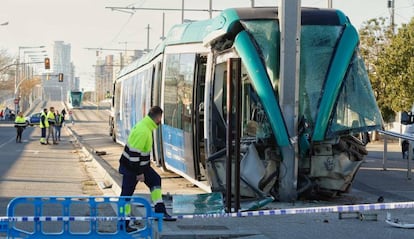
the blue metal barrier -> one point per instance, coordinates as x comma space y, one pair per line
77, 217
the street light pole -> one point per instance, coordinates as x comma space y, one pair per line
17, 76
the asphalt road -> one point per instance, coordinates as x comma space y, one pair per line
31, 169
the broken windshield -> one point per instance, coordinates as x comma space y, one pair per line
318, 44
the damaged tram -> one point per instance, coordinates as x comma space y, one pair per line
186, 75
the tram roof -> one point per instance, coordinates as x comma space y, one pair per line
196, 31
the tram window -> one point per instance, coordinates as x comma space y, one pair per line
317, 48
254, 120
178, 94
268, 41
350, 115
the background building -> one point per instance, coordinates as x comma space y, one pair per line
106, 69
61, 63
76, 84
104, 75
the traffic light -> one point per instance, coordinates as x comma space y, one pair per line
47, 63
60, 77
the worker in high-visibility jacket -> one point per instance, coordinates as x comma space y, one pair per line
44, 124
135, 162
58, 125
20, 124
51, 119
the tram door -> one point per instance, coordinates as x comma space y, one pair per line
199, 144
156, 100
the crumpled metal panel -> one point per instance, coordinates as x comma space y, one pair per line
334, 172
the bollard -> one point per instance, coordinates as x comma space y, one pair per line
410, 157
384, 155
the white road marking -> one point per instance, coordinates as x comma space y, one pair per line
11, 139
31, 151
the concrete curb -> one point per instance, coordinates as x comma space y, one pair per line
109, 177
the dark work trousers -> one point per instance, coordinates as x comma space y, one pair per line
129, 181
19, 134
51, 132
43, 133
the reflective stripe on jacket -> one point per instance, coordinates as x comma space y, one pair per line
20, 122
136, 155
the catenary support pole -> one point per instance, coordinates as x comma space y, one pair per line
182, 11
210, 9
163, 27
148, 37
329, 3
290, 20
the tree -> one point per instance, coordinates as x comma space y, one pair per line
5, 58
395, 69
6, 76
375, 35
390, 63
27, 86
25, 91
5, 66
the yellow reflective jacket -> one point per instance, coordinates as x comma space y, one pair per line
43, 121
51, 118
20, 122
136, 155
140, 137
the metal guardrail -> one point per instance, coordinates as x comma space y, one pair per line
410, 149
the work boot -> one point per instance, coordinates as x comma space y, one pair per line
160, 208
129, 229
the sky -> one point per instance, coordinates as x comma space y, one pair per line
89, 24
